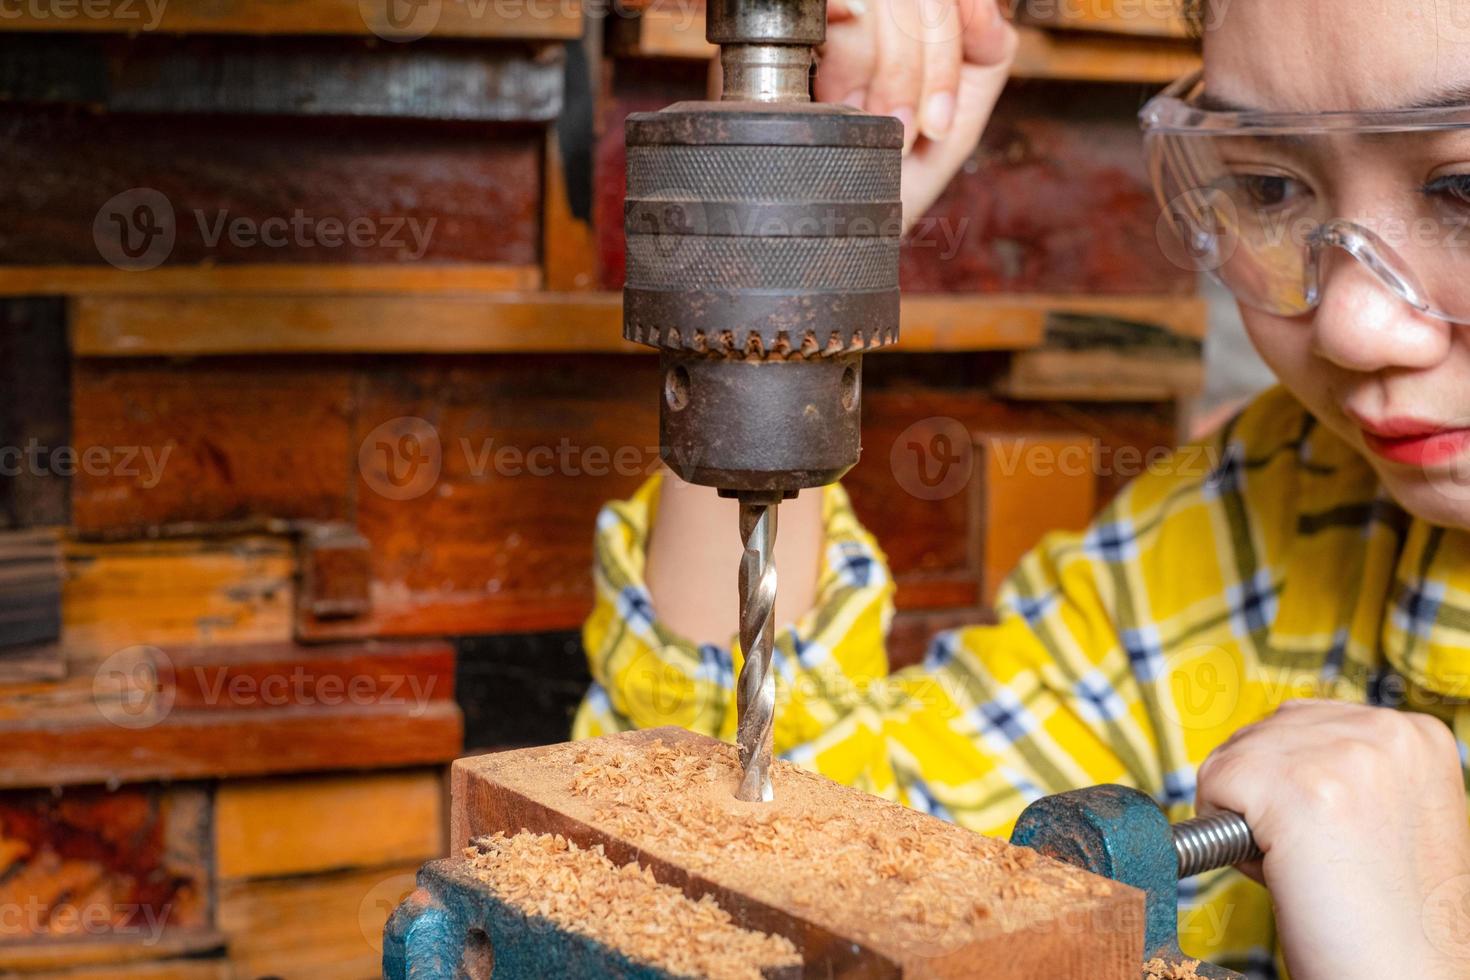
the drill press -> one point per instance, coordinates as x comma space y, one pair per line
762, 236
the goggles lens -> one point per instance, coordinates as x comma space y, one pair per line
1269, 212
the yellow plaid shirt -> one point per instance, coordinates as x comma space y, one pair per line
1263, 564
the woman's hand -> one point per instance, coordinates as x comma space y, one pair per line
938, 65
1362, 818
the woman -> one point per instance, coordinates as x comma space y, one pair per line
1286, 633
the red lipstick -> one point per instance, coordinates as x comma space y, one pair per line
1414, 442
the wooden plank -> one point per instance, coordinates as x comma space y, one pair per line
108, 958
1032, 484
208, 968
501, 322
235, 442
336, 573
141, 191
318, 927
35, 414
1102, 375
267, 279
284, 76
270, 828
176, 594
1147, 18
559, 20
209, 744
1083, 57
819, 888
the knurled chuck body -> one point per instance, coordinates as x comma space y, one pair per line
762, 262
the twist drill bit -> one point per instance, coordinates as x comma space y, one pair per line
755, 699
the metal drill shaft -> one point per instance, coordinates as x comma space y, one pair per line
755, 700
1216, 841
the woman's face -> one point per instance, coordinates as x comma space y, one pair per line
1391, 381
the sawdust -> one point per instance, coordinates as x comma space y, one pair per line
624, 907
922, 882
1158, 969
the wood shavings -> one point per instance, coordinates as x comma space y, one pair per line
1158, 969
624, 908
932, 884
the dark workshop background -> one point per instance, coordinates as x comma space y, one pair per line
311, 386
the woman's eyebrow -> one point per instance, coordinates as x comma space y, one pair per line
1446, 98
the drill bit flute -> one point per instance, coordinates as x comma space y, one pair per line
763, 235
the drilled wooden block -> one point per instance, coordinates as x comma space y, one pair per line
862, 886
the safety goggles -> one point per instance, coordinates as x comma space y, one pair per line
1266, 201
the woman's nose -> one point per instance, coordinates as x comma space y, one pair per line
1361, 325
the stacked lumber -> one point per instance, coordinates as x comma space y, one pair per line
314, 510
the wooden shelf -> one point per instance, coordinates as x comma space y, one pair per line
185, 324
1071, 55
536, 19
265, 279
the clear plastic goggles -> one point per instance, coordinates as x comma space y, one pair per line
1265, 201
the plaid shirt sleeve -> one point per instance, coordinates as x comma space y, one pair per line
1052, 697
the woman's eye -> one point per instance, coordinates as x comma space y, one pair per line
1267, 190
1453, 187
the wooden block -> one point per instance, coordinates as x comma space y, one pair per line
276, 827
172, 956
208, 968
520, 456
176, 593
912, 632
856, 882
215, 443
1032, 485
1057, 200
1099, 358
315, 927
336, 573
142, 191
347, 17
118, 873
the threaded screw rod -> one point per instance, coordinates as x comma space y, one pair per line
1219, 840
755, 696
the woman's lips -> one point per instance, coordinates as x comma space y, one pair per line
1414, 442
